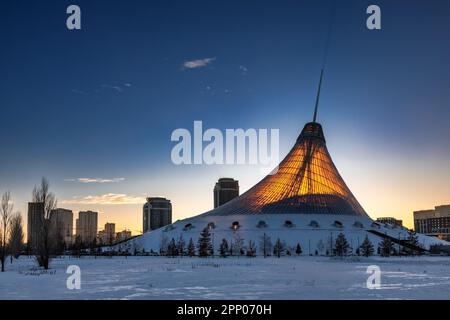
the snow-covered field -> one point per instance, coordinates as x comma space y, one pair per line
230, 278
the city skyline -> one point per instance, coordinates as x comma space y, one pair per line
103, 141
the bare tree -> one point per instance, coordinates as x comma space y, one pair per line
16, 236
265, 245
45, 243
6, 208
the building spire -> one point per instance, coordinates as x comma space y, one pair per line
318, 96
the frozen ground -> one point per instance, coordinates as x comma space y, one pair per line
230, 278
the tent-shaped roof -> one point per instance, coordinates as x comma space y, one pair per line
306, 182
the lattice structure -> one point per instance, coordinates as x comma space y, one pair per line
306, 182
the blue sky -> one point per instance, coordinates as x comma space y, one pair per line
102, 102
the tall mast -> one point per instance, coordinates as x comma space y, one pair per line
318, 96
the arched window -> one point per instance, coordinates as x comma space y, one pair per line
338, 224
358, 224
235, 225
188, 226
376, 225
288, 224
314, 224
261, 224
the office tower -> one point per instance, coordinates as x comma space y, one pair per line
226, 189
157, 212
434, 222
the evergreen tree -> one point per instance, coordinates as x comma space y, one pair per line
341, 246
172, 249
279, 248
386, 247
163, 248
413, 241
366, 249
251, 249
181, 245
191, 248
224, 250
298, 250
204, 243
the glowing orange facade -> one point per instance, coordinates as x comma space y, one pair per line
306, 182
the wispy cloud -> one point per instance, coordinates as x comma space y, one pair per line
108, 198
79, 92
95, 180
116, 88
243, 70
104, 87
199, 63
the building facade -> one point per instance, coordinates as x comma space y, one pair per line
391, 221
61, 221
108, 235
157, 213
86, 226
123, 235
34, 223
433, 222
226, 189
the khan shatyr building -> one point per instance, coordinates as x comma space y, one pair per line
305, 182
304, 201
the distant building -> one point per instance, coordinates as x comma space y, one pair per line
34, 223
86, 225
226, 189
61, 220
123, 235
157, 213
108, 235
433, 222
391, 221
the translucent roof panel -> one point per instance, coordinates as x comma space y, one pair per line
306, 181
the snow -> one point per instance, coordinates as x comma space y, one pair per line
301, 231
301, 277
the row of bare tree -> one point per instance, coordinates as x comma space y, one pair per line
44, 246
11, 230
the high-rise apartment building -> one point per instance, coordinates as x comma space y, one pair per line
86, 226
34, 223
108, 235
226, 189
61, 221
157, 213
